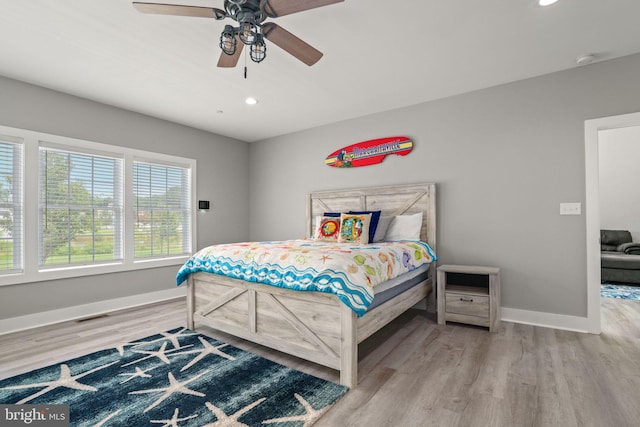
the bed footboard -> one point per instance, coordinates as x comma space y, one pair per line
314, 326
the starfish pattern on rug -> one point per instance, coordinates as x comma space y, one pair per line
173, 422
107, 418
120, 348
175, 386
170, 336
206, 349
64, 380
309, 417
160, 354
224, 420
139, 373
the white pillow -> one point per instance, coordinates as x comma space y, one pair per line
405, 227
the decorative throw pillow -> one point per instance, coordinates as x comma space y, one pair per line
405, 227
327, 229
354, 228
373, 225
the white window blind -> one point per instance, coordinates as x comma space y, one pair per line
162, 210
80, 208
11, 206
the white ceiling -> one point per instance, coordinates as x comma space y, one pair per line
378, 55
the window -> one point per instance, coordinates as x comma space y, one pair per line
10, 205
162, 200
72, 208
80, 215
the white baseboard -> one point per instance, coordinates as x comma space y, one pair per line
15, 324
546, 320
29, 321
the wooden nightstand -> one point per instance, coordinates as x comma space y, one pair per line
469, 294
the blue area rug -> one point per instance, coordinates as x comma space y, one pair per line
176, 378
614, 290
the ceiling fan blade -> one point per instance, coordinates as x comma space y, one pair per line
230, 61
290, 43
275, 8
180, 10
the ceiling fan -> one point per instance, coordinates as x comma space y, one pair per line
251, 28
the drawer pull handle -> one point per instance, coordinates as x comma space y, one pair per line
466, 299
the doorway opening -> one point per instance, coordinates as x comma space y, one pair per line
592, 210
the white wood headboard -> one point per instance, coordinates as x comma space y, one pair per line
391, 200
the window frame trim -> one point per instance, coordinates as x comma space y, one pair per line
32, 142
19, 145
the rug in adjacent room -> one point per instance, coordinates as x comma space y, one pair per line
176, 378
620, 291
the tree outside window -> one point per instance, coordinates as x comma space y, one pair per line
79, 208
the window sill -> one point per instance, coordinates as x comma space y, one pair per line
88, 270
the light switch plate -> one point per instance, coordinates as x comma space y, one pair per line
570, 209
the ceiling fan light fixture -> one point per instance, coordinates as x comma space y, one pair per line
248, 32
248, 28
258, 49
228, 40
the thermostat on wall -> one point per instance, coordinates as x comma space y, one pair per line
203, 205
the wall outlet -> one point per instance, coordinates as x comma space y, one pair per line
570, 209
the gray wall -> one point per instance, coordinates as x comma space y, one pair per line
504, 159
222, 177
619, 173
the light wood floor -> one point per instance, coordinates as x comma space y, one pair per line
417, 373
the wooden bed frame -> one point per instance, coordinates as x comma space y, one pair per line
314, 326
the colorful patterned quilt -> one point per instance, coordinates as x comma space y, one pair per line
349, 271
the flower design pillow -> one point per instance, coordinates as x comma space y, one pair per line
354, 228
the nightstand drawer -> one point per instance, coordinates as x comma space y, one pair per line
470, 305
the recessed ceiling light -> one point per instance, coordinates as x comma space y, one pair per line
546, 2
251, 101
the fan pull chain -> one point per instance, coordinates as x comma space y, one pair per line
245, 64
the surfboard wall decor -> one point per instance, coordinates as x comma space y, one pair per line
369, 152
